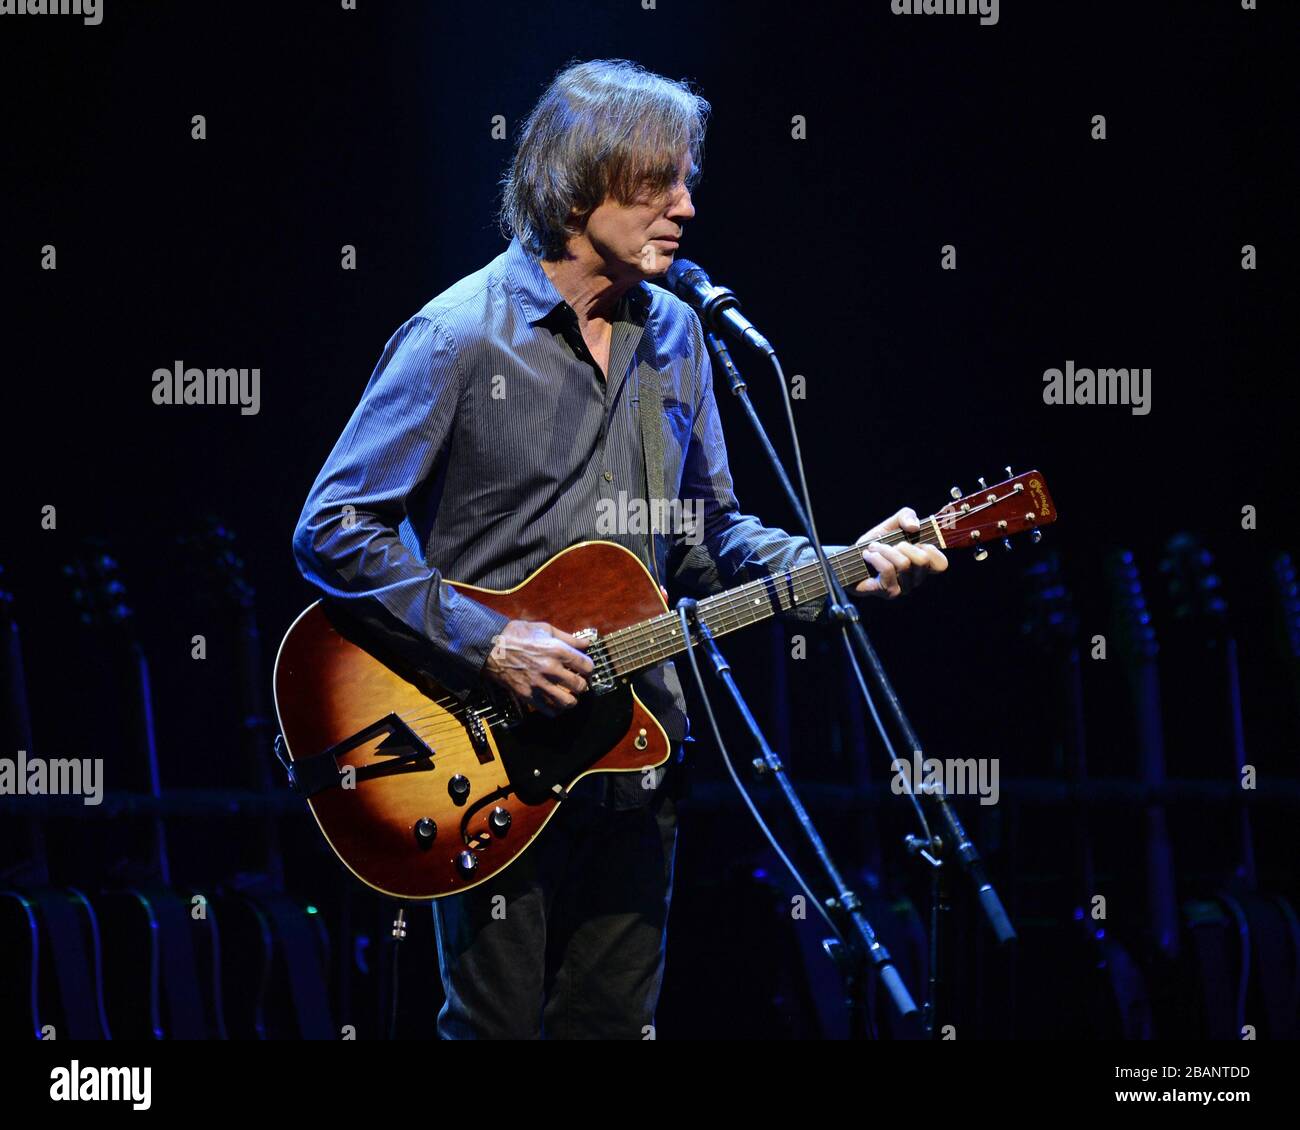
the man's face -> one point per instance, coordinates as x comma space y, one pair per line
639, 239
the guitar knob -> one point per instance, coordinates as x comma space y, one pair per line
1036, 536
499, 820
458, 786
426, 831
467, 862
981, 553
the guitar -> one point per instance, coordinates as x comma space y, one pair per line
1268, 957
275, 952
1138, 644
421, 795
1285, 606
52, 985
162, 963
1109, 996
1160, 941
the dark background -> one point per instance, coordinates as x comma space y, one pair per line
373, 128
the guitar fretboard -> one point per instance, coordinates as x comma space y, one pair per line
640, 646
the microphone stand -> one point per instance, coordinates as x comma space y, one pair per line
851, 963
931, 847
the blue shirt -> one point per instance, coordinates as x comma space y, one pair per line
487, 441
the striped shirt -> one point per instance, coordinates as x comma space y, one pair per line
487, 441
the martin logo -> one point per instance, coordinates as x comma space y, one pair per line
103, 1084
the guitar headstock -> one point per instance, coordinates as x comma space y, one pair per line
1050, 619
1195, 589
1132, 617
1286, 601
97, 590
213, 556
1017, 504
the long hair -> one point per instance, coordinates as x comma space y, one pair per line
607, 127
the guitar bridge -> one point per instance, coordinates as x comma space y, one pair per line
476, 725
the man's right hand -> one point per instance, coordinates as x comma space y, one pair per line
539, 665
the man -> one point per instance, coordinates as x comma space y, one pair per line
501, 418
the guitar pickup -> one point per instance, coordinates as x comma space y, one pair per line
602, 679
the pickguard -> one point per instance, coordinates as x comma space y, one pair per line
539, 752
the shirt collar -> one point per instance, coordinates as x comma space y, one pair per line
539, 298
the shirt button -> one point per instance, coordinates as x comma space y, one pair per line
609, 476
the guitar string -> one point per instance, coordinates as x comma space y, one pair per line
724, 604
628, 650
728, 603
729, 614
622, 654
734, 609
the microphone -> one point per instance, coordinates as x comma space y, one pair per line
716, 305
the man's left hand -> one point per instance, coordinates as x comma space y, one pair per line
899, 567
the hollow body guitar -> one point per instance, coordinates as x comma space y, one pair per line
421, 794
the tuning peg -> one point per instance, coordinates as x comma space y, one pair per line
955, 492
1006, 544
1008, 471
981, 553
982, 483
1036, 536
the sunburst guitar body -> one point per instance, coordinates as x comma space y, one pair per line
422, 795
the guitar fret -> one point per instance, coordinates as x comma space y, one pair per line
651, 642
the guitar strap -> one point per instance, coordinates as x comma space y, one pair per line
651, 407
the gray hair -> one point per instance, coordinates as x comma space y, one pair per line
607, 127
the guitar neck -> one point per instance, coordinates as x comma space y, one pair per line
147, 737
1162, 904
651, 642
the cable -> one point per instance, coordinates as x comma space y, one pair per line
740, 787
399, 934
851, 629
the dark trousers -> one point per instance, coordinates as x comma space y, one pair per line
568, 942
